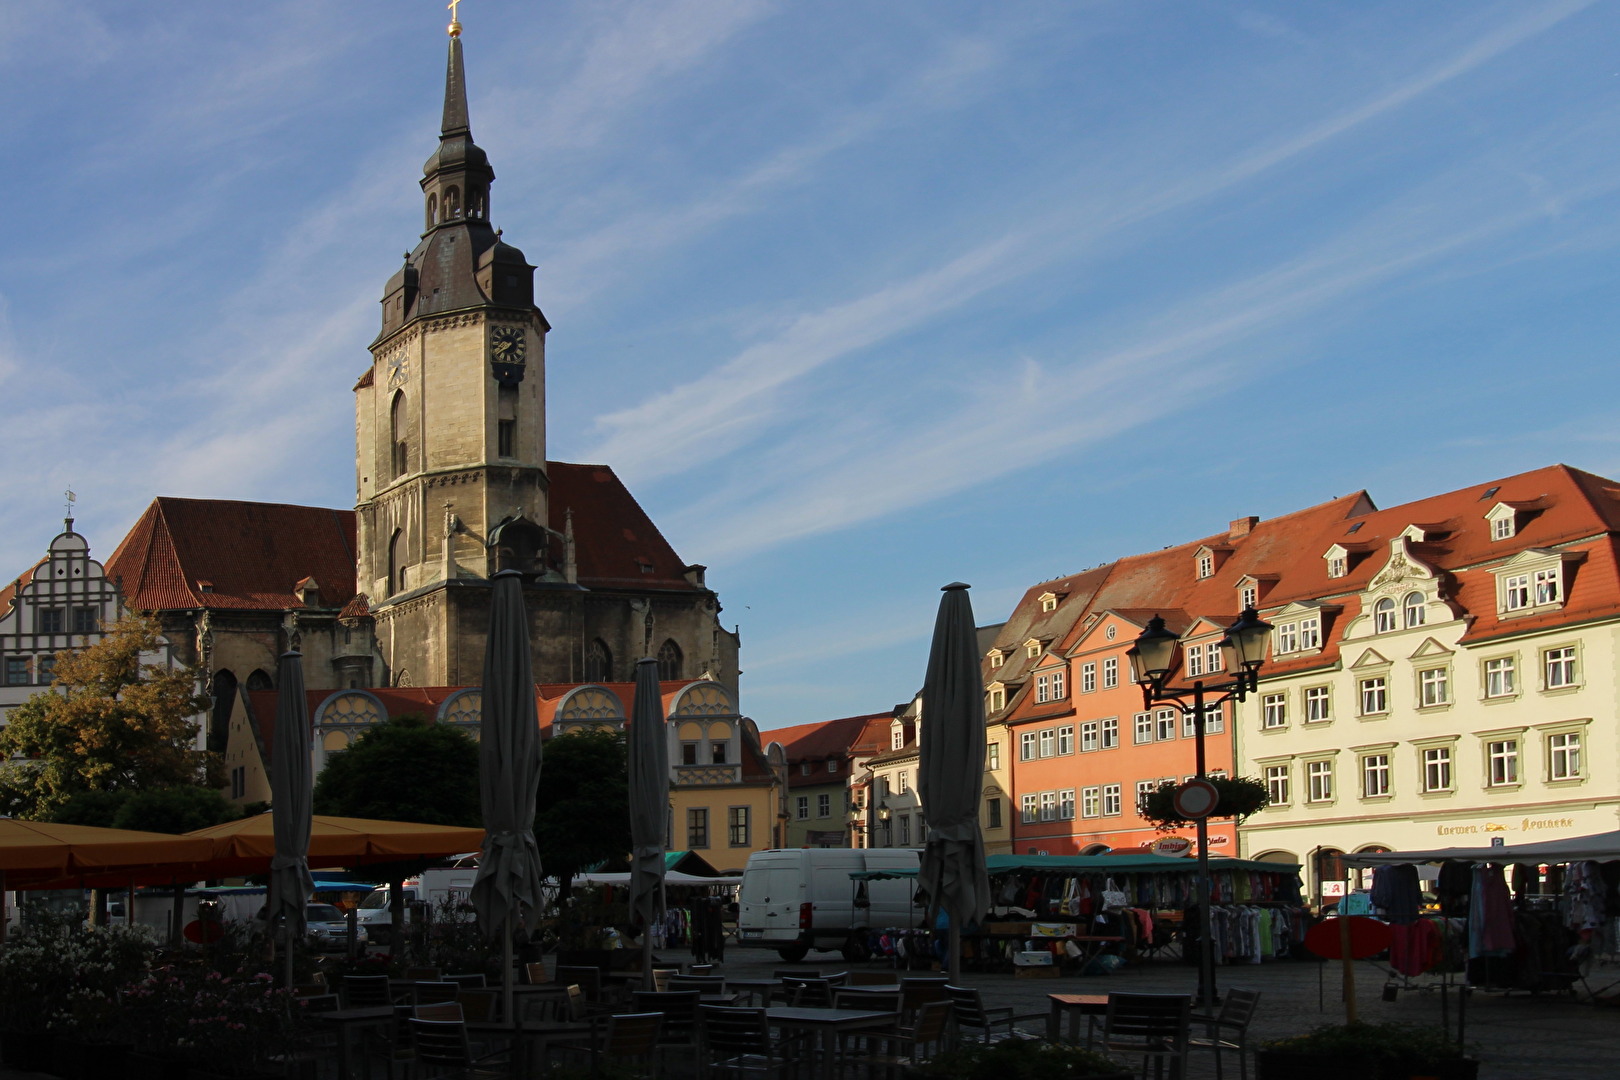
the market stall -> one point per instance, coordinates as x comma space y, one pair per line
1077, 907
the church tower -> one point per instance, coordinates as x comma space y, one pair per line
450, 422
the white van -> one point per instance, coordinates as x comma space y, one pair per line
436, 885
797, 899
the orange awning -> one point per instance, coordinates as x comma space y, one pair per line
246, 845
36, 849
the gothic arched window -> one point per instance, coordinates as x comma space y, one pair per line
432, 210
669, 661
598, 662
396, 563
259, 681
398, 440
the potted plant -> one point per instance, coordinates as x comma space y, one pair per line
197, 1021
1366, 1052
1021, 1059
1240, 797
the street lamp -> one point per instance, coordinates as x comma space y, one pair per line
1153, 658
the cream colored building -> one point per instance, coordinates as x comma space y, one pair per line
1443, 673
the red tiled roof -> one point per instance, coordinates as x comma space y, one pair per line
615, 542
358, 607
824, 738
8, 595
251, 554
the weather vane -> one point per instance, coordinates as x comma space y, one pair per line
71, 499
455, 20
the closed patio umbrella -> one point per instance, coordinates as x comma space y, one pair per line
951, 752
649, 804
508, 773
292, 786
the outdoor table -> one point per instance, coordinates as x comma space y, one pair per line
825, 1025
523, 1037
524, 992
1076, 1005
355, 1020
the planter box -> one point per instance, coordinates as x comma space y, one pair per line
1281, 1065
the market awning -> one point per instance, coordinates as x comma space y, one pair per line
1123, 864
1599, 847
36, 850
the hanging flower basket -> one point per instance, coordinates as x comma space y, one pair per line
1240, 796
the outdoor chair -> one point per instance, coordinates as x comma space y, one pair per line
480, 1006
1152, 1025
971, 1014
589, 979
660, 977
429, 993
423, 974
438, 1010
701, 969
915, 993
630, 1041
796, 973
1228, 1029
870, 978
365, 991
703, 984
908, 1048
535, 973
473, 980
679, 1009
441, 1048
848, 997
737, 1042
808, 993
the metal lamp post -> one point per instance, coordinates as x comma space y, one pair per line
1153, 658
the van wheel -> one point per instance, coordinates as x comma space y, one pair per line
855, 950
793, 953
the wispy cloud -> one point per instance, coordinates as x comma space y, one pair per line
704, 419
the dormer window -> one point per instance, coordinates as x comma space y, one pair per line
996, 699
897, 737
1502, 528
1533, 581
1206, 564
996, 657
1504, 519
1032, 648
1249, 596
1338, 566
1049, 601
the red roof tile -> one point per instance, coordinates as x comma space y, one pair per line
8, 595
615, 542
247, 555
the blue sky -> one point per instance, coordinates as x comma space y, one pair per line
859, 298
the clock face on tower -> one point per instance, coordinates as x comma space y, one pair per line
508, 349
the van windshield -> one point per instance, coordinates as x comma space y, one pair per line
378, 899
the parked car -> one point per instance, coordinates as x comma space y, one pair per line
326, 927
797, 899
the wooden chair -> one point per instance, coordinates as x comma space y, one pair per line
589, 979
808, 993
630, 1041
870, 978
738, 1042
1152, 1025
480, 1006
1228, 1029
438, 1010
845, 997
679, 1009
908, 1048
661, 976
431, 993
701, 969
534, 974
441, 1046
968, 1008
915, 993
365, 991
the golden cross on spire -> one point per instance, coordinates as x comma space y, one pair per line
455, 20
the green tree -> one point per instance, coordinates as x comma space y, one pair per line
110, 722
582, 816
404, 770
175, 810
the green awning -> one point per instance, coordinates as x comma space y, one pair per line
1128, 864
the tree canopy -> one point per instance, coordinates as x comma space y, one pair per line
404, 770
112, 721
583, 813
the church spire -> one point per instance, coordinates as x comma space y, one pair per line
455, 90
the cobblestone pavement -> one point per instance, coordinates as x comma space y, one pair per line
1518, 1037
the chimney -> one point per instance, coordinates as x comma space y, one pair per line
1241, 527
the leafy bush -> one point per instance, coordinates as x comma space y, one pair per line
1240, 796
222, 1021
1408, 1045
1019, 1059
57, 974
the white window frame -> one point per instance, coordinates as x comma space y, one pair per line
1214, 719
1285, 639
1248, 596
1091, 801
1315, 696
1502, 763
1558, 668
824, 804
1385, 619
1437, 776
1547, 586
1516, 592
1043, 689
1164, 725
1065, 800
1090, 736
1212, 657
1088, 677
897, 737
1144, 788
802, 808
1338, 566
1206, 565
996, 700
1374, 775
1414, 614
1373, 692
1310, 633
1048, 741
992, 755
1065, 740
1060, 688
1049, 806
1273, 711
1142, 728
1111, 798
1501, 677
1193, 660
1319, 778
1564, 756
1110, 672
1277, 784
1026, 746
1434, 687
1110, 733
1029, 809
1502, 527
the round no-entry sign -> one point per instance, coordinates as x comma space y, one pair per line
1196, 799
203, 932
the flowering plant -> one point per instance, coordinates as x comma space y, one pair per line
57, 974
221, 1020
